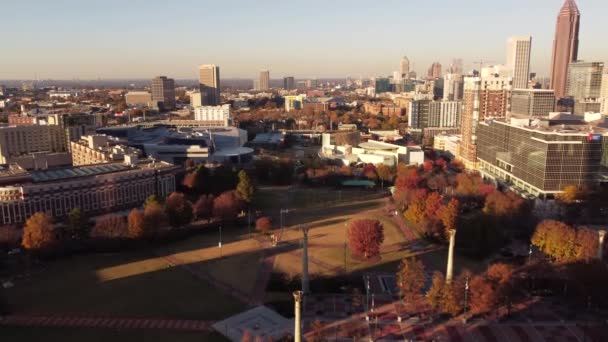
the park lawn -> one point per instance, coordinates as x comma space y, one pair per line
238, 270
102, 335
130, 284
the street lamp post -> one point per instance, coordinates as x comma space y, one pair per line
367, 293
249, 221
466, 294
530, 254
220, 243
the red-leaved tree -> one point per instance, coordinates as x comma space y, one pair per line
226, 206
365, 237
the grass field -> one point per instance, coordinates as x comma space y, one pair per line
103, 335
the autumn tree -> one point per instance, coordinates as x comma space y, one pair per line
110, 226
226, 206
433, 205
155, 219
385, 174
244, 189
38, 232
416, 210
263, 224
78, 224
587, 243
365, 237
483, 295
449, 215
152, 199
411, 278
435, 293
407, 179
570, 194
203, 208
136, 224
500, 204
178, 209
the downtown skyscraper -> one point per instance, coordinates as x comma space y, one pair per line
209, 84
565, 46
264, 81
404, 67
518, 60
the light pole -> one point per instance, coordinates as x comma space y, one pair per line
466, 294
367, 293
530, 254
249, 221
220, 243
281, 212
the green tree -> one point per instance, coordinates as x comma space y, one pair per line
244, 189
78, 224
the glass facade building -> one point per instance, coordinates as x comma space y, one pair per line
541, 160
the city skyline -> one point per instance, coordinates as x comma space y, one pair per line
73, 48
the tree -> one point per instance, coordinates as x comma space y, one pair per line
408, 179
226, 206
587, 242
450, 303
500, 273
244, 189
415, 212
555, 239
178, 209
570, 194
155, 219
433, 205
110, 226
78, 224
152, 199
203, 208
449, 215
39, 232
435, 293
483, 295
411, 279
365, 237
136, 224
263, 224
501, 204
385, 173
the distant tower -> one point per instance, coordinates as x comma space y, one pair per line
518, 60
434, 71
163, 92
565, 46
209, 83
404, 67
264, 80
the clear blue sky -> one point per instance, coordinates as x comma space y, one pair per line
64, 39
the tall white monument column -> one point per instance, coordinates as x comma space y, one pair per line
305, 281
600, 246
450, 271
297, 332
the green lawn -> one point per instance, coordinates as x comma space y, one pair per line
134, 284
103, 335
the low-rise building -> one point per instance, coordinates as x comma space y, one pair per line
96, 189
294, 102
448, 144
98, 149
215, 116
139, 98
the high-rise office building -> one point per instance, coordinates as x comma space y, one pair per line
444, 114
404, 67
518, 60
418, 114
452, 87
584, 80
470, 118
163, 93
383, 85
532, 102
542, 156
565, 46
604, 94
456, 67
434, 71
289, 83
209, 84
264, 83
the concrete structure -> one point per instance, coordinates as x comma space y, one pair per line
470, 117
448, 144
196, 99
565, 46
294, 102
496, 84
215, 116
532, 102
434, 71
450, 268
63, 94
264, 80
347, 148
289, 83
305, 280
163, 93
95, 188
418, 114
99, 149
261, 323
209, 84
541, 156
298, 296
20, 141
585, 80
604, 94
404, 67
453, 85
444, 114
139, 98
518, 60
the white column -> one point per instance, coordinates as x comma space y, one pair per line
297, 333
600, 246
450, 271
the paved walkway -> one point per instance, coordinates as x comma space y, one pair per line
78, 321
407, 232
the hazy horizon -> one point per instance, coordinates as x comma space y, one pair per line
88, 40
